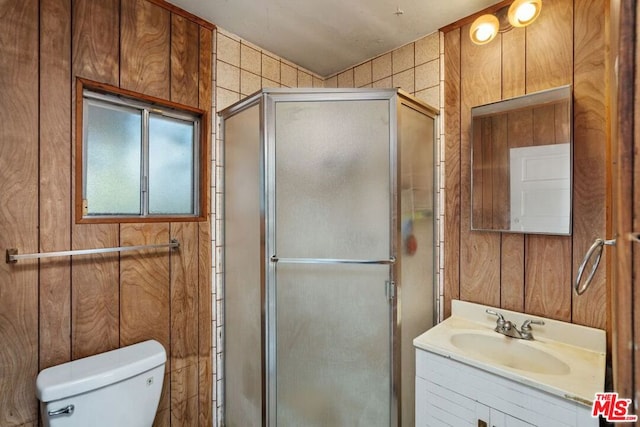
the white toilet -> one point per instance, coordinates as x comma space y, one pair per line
117, 388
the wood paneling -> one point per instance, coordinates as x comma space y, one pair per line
625, 295
19, 210
204, 241
145, 48
95, 40
480, 71
549, 63
549, 47
95, 278
66, 308
512, 250
55, 181
531, 273
636, 223
452, 169
185, 36
144, 285
590, 171
184, 308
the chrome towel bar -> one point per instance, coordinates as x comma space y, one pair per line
13, 256
274, 258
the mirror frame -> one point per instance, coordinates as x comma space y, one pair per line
529, 101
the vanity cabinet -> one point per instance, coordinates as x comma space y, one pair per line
449, 392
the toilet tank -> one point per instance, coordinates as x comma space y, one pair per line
118, 388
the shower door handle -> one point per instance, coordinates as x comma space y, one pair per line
389, 261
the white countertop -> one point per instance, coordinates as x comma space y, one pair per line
583, 349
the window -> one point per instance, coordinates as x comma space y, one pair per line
141, 157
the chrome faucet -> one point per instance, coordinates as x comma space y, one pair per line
510, 329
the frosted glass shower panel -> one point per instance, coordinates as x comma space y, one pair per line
242, 268
113, 156
332, 179
329, 374
416, 141
171, 165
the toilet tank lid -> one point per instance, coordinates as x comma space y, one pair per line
93, 372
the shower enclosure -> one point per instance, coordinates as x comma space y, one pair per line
328, 255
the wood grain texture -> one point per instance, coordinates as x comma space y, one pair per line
184, 322
549, 47
94, 278
549, 63
185, 37
591, 147
55, 181
513, 63
145, 48
46, 45
636, 253
512, 252
512, 272
205, 314
205, 25
144, 293
182, 413
500, 197
548, 276
184, 396
535, 272
205, 379
163, 418
625, 304
95, 40
19, 210
144, 286
479, 251
452, 169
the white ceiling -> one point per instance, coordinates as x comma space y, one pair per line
329, 36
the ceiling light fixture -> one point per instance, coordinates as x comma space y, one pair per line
519, 14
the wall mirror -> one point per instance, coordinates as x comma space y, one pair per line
521, 151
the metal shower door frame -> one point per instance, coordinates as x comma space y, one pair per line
270, 98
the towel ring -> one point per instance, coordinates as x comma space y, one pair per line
595, 249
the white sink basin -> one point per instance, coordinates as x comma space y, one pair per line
509, 352
563, 359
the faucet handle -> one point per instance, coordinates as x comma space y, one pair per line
526, 326
500, 322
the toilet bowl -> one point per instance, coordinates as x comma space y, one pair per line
118, 388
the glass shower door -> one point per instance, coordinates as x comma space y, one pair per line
330, 237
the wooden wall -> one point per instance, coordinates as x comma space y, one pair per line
61, 309
626, 200
530, 273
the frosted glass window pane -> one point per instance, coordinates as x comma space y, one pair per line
171, 168
113, 156
332, 179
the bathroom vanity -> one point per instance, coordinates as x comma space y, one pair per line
469, 374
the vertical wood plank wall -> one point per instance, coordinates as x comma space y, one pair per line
61, 309
531, 273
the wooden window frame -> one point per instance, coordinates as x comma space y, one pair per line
202, 191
